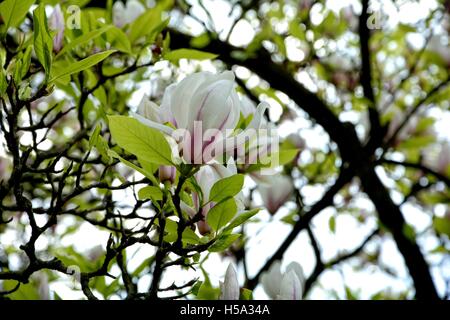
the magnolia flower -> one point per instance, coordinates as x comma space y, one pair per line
248, 107
42, 285
125, 14
276, 192
261, 144
306, 4
94, 253
56, 23
5, 166
436, 45
204, 109
439, 161
229, 288
284, 286
167, 173
206, 177
349, 15
443, 161
407, 130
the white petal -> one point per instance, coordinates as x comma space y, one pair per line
152, 124
148, 109
271, 280
290, 287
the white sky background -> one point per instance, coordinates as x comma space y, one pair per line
264, 238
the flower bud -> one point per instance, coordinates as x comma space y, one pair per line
57, 23
229, 289
167, 173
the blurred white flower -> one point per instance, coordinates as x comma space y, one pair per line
436, 45
275, 192
95, 253
125, 14
284, 286
443, 160
42, 285
229, 288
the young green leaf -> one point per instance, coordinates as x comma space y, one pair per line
83, 39
119, 39
81, 65
223, 242
193, 54
14, 11
221, 214
150, 192
144, 172
241, 218
43, 44
144, 142
226, 187
145, 24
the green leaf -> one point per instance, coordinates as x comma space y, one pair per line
223, 242
150, 192
43, 44
442, 225
176, 55
241, 218
14, 11
119, 39
332, 224
221, 214
190, 237
3, 82
94, 136
145, 24
144, 172
226, 187
144, 142
82, 64
83, 39
246, 294
207, 292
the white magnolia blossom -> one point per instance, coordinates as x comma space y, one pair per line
125, 14
200, 113
275, 192
229, 288
42, 285
440, 160
5, 168
436, 45
443, 161
284, 286
94, 253
56, 23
